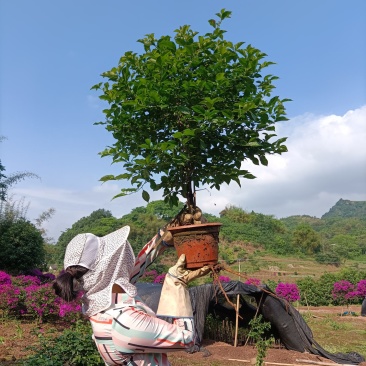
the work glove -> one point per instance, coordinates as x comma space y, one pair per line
179, 272
174, 299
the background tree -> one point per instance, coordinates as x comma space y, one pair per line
188, 111
306, 240
345, 246
41, 219
163, 211
100, 222
300, 234
21, 247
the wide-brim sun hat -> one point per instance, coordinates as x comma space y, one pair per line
110, 260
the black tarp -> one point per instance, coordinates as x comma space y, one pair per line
363, 307
287, 323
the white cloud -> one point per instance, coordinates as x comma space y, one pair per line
326, 161
72, 205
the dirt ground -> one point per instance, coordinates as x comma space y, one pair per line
15, 336
223, 354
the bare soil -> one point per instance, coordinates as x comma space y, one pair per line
333, 332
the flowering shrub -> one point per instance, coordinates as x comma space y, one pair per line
68, 308
160, 278
343, 291
224, 279
42, 277
361, 288
288, 291
149, 276
9, 296
24, 281
253, 281
41, 301
152, 277
5, 279
27, 294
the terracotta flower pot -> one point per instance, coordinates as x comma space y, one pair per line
200, 243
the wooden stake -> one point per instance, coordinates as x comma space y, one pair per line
235, 359
237, 320
323, 363
268, 363
310, 362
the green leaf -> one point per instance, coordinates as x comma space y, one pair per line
177, 135
188, 132
107, 178
184, 109
125, 192
263, 160
145, 196
123, 176
250, 176
252, 144
220, 76
96, 86
212, 22
281, 140
198, 109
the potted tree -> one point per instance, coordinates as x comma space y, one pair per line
186, 113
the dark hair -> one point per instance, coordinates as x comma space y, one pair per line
64, 283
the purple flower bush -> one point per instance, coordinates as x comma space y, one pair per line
224, 279
40, 301
24, 281
70, 310
253, 281
343, 291
288, 291
9, 298
361, 288
160, 278
149, 276
29, 295
42, 277
5, 279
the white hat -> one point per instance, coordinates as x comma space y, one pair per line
110, 260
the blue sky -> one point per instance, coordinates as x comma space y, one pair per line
52, 52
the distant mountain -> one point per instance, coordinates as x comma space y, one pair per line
346, 208
293, 221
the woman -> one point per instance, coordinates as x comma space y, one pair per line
125, 330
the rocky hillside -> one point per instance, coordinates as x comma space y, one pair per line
345, 208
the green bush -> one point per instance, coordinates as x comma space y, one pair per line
21, 247
74, 347
319, 292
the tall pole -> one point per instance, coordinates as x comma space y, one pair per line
239, 270
236, 320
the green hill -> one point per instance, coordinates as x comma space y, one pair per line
329, 240
346, 208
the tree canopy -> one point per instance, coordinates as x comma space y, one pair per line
190, 109
21, 246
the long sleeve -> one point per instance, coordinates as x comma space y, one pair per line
147, 256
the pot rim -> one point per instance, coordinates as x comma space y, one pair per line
193, 226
